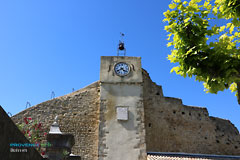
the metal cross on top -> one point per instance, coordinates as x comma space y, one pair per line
121, 48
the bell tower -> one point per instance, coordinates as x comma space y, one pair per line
121, 128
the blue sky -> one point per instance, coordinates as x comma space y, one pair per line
56, 45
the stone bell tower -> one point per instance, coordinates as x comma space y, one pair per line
121, 128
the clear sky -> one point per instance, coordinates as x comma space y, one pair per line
55, 45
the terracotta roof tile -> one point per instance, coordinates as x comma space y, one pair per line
159, 157
187, 156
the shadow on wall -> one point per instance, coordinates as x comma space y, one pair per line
9, 133
128, 125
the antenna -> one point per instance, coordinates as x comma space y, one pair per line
121, 48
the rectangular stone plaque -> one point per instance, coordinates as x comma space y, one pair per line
122, 113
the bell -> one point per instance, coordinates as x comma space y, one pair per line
121, 46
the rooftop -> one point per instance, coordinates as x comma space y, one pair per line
187, 156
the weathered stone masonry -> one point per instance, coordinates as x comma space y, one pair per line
174, 127
170, 126
78, 114
121, 139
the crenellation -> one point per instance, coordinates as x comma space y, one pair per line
164, 124
172, 127
172, 100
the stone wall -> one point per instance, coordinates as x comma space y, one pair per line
121, 139
78, 114
9, 133
174, 127
170, 125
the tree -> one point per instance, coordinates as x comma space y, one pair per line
210, 53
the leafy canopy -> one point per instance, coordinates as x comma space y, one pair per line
210, 53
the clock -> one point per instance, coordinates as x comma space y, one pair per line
121, 69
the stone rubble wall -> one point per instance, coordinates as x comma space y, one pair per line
170, 126
78, 114
174, 127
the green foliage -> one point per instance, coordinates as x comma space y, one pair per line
65, 153
209, 53
33, 132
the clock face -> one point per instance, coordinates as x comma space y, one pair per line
122, 69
